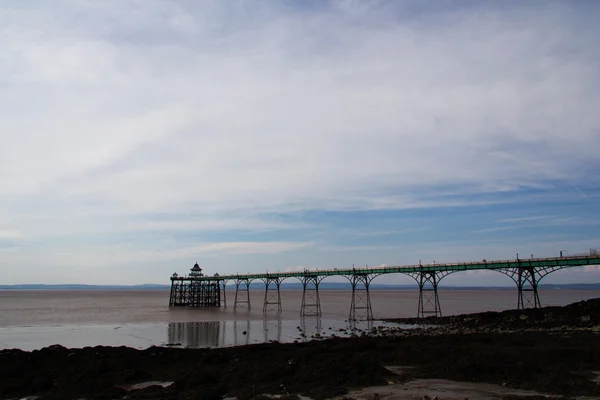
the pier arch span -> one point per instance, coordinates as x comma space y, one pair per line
360, 304
527, 279
429, 300
242, 292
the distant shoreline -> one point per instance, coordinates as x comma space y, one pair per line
294, 286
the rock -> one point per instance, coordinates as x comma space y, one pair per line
55, 348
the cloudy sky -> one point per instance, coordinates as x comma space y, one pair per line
137, 137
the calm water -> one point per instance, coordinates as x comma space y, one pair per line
34, 319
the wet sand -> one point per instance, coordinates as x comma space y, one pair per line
552, 351
179, 334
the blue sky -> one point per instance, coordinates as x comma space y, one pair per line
140, 137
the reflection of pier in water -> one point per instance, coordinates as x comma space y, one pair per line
272, 330
194, 334
224, 333
241, 332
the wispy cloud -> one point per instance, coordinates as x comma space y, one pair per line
540, 222
526, 218
496, 229
358, 248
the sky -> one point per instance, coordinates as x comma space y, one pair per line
138, 137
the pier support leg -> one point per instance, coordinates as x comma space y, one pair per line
173, 294
194, 294
181, 294
213, 296
360, 307
527, 289
223, 294
429, 300
311, 303
242, 294
272, 301
527, 279
204, 294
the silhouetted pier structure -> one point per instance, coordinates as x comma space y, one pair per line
195, 290
198, 290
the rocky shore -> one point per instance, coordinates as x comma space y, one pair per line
580, 316
553, 350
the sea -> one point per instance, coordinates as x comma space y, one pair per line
33, 319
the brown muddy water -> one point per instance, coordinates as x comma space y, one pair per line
31, 319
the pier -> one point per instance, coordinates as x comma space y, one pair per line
199, 290
194, 290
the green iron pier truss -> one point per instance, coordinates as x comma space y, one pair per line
199, 290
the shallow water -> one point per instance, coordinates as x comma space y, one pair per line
181, 334
34, 319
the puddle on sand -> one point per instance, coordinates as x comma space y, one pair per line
438, 388
144, 385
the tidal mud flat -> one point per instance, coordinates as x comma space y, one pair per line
554, 351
